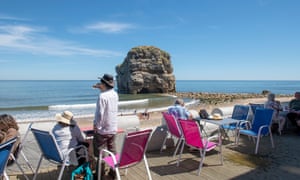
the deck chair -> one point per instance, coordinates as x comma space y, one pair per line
50, 150
133, 152
261, 126
240, 112
173, 131
192, 135
5, 151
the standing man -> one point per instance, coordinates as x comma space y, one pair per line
105, 122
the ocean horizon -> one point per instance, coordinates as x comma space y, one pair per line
34, 100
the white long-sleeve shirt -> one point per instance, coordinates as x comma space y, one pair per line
106, 112
68, 137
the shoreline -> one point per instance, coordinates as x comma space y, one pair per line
156, 116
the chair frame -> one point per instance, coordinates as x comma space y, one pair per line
123, 160
195, 140
21, 146
173, 130
6, 148
55, 156
256, 130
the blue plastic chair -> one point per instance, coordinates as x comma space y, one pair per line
240, 112
254, 106
50, 150
5, 150
261, 126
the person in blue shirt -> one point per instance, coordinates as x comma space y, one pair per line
179, 111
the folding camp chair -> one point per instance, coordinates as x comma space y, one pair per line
50, 150
133, 152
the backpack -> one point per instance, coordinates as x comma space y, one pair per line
82, 172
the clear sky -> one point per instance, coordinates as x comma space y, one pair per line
207, 39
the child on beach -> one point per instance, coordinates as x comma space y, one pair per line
271, 103
68, 135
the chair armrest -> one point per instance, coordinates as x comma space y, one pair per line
77, 147
244, 122
110, 153
261, 128
213, 137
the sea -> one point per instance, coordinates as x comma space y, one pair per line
38, 100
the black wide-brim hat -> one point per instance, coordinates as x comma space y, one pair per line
107, 79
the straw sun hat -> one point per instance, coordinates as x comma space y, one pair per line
66, 117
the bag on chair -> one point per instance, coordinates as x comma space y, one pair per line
82, 172
203, 114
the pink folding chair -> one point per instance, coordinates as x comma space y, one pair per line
173, 130
132, 153
192, 135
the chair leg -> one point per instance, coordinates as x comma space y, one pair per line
21, 169
38, 167
202, 154
62, 169
163, 144
180, 140
257, 144
118, 173
181, 150
5, 175
26, 160
147, 167
271, 138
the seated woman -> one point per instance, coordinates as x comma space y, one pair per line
68, 135
10, 129
294, 111
271, 103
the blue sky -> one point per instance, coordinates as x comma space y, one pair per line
207, 39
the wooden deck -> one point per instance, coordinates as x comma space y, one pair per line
239, 163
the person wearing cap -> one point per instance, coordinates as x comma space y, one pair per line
179, 111
105, 122
294, 111
68, 135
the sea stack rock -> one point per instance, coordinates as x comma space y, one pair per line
145, 69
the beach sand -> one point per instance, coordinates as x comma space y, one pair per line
279, 163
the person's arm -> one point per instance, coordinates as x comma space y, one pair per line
11, 133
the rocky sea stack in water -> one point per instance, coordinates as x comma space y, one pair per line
146, 69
